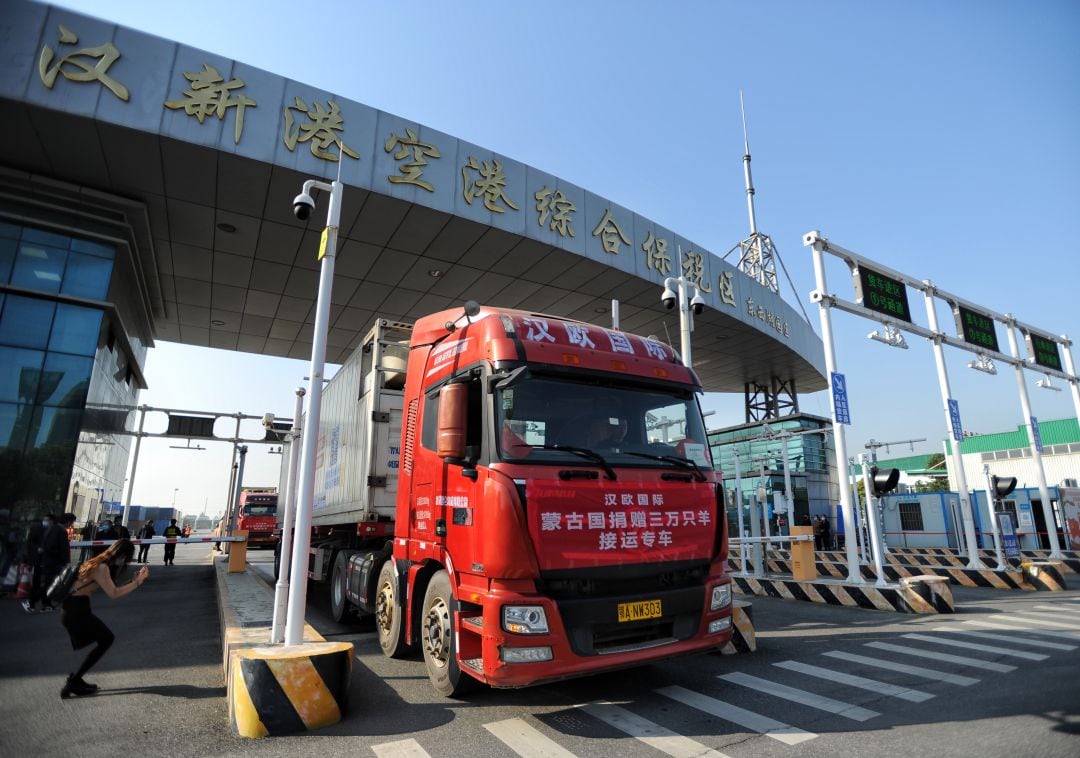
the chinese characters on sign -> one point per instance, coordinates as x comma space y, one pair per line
1043, 351
75, 68
693, 270
976, 328
209, 95
554, 205
882, 294
408, 145
727, 290
319, 131
610, 233
490, 184
656, 254
840, 398
770, 318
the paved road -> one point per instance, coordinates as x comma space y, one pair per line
816, 688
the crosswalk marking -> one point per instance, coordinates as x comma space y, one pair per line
873, 685
1011, 638
755, 722
904, 668
972, 646
1060, 607
1042, 618
809, 699
1015, 625
652, 734
400, 749
527, 741
946, 657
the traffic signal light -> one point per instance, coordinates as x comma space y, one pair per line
1003, 485
884, 480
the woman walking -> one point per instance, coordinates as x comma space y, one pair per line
82, 625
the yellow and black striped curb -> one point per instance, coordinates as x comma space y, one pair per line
834, 593
273, 689
743, 636
1010, 579
1044, 575
1070, 559
928, 594
280, 690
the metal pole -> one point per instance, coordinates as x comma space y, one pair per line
1036, 454
739, 509
134, 464
294, 619
238, 486
758, 550
991, 500
281, 589
615, 315
824, 304
974, 562
1074, 383
789, 498
872, 520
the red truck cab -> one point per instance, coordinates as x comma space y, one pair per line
258, 515
557, 509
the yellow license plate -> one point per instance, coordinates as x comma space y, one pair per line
645, 609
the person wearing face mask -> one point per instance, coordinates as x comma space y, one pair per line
83, 627
52, 554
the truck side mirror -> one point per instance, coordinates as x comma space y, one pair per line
453, 415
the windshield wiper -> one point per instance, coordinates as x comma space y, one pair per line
584, 452
684, 462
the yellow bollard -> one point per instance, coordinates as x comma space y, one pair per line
803, 567
238, 554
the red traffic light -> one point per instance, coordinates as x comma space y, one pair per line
1003, 485
884, 480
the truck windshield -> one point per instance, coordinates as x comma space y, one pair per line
628, 426
260, 510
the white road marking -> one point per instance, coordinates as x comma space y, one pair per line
400, 749
1010, 638
755, 722
652, 734
904, 668
873, 685
1067, 607
1024, 626
802, 697
1042, 618
945, 657
940, 640
527, 741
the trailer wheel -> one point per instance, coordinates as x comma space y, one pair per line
390, 615
437, 639
340, 608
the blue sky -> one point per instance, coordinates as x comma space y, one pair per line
942, 139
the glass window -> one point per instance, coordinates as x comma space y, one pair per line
65, 380
55, 426
911, 519
7, 257
10, 231
20, 373
76, 330
87, 276
93, 248
25, 322
14, 424
38, 267
42, 237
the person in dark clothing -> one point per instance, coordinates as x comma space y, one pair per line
33, 557
826, 534
172, 531
105, 531
53, 553
819, 532
122, 532
83, 627
146, 533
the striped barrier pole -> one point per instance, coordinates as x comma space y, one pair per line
156, 541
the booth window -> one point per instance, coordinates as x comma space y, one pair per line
911, 517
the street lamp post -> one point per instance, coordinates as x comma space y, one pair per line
676, 288
302, 207
281, 589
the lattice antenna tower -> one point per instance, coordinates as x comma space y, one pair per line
757, 254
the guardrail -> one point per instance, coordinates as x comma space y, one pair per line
157, 541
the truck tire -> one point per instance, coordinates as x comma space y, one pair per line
390, 615
437, 639
340, 608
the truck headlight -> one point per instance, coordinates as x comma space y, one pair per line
721, 596
524, 619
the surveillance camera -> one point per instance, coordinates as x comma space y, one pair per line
302, 206
668, 298
698, 304
268, 420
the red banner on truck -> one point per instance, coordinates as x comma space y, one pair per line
610, 523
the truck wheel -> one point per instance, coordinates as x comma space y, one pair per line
437, 639
340, 608
389, 615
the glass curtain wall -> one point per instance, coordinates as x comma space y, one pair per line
50, 353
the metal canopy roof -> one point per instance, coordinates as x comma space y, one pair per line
223, 263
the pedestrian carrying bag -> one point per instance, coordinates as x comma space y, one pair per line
62, 584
